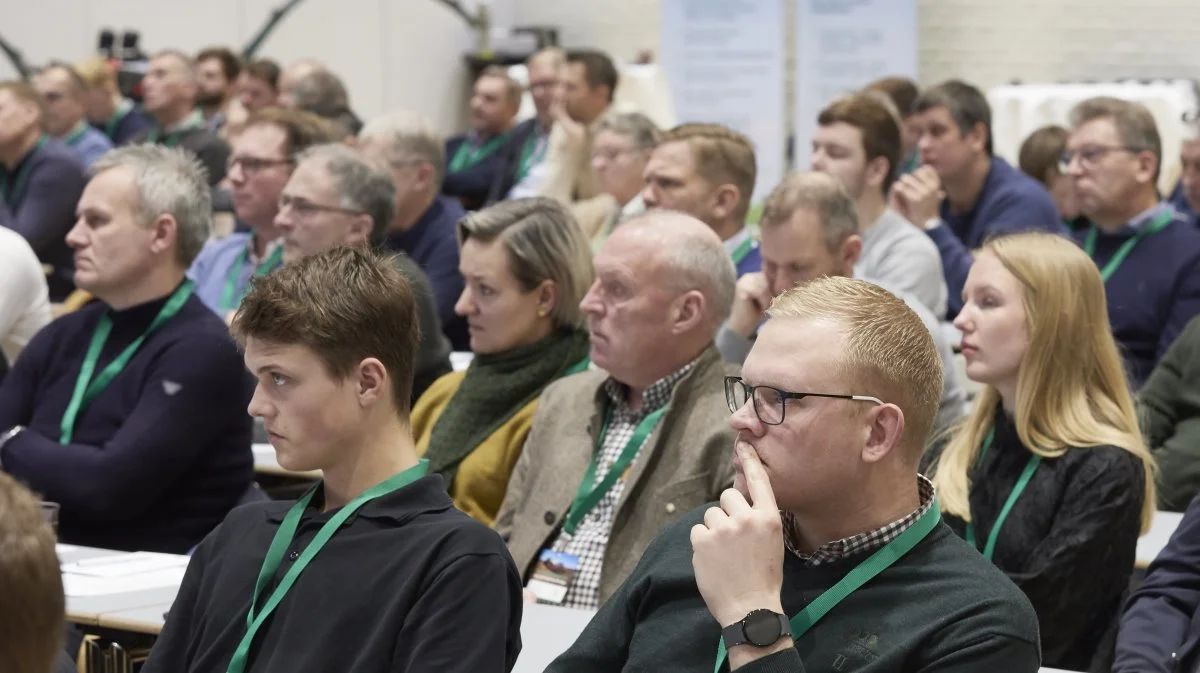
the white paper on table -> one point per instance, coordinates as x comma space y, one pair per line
125, 565
76, 586
65, 548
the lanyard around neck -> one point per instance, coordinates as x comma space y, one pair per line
110, 127
18, 186
856, 578
531, 153
1089, 244
283, 539
231, 298
989, 549
466, 156
87, 387
591, 493
742, 250
76, 135
171, 138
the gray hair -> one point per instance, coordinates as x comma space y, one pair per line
543, 242
966, 103
321, 92
361, 185
819, 193
1133, 121
633, 125
189, 65
408, 137
169, 181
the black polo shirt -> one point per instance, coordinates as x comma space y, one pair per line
407, 584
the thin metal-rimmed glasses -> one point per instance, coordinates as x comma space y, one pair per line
770, 404
305, 209
1089, 156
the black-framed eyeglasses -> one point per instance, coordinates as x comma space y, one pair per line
770, 404
252, 165
304, 208
1089, 156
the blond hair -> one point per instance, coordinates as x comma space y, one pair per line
513, 90
555, 56
888, 351
1071, 386
97, 72
722, 155
31, 623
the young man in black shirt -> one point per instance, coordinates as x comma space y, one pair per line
373, 570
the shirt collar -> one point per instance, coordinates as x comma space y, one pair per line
863, 542
271, 246
655, 397
195, 120
427, 494
1144, 218
731, 245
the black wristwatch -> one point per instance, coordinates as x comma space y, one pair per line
760, 628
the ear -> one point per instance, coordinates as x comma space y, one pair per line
372, 383
547, 297
878, 170
688, 311
360, 230
163, 233
978, 136
885, 427
725, 200
424, 176
1147, 164
850, 252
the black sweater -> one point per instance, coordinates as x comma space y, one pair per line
1069, 542
940, 608
161, 455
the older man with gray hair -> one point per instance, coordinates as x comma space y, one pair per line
424, 225
336, 196
324, 94
130, 413
616, 454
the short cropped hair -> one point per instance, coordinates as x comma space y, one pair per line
878, 124
303, 129
598, 69
555, 55
543, 242
409, 136
231, 65
819, 193
723, 156
888, 352
360, 184
264, 69
78, 85
345, 305
32, 607
1135, 124
901, 90
26, 93
966, 103
321, 92
1040, 153
636, 126
169, 181
512, 88
97, 71
189, 66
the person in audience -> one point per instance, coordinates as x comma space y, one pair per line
322, 93
477, 159
1049, 476
258, 85
831, 412
1186, 196
130, 413
1039, 158
984, 196
169, 95
614, 455
525, 165
402, 581
292, 74
1170, 419
1149, 255
810, 229
903, 92
620, 151
425, 222
217, 71
40, 182
337, 197
858, 140
527, 267
64, 94
24, 297
107, 110
32, 605
708, 171
264, 154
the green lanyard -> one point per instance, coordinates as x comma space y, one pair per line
742, 250
1035, 460
590, 493
228, 300
22, 177
283, 539
578, 367
856, 578
87, 387
194, 121
533, 151
76, 135
1089, 244
466, 157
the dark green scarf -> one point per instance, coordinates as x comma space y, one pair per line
494, 389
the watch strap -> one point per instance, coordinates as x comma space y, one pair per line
735, 633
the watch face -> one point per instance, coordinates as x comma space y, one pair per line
762, 628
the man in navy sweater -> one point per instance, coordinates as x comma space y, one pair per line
40, 182
477, 158
1186, 197
107, 110
1148, 254
963, 194
131, 413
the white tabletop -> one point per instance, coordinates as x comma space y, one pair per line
1150, 544
546, 632
266, 463
91, 609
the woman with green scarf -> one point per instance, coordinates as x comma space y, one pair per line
527, 265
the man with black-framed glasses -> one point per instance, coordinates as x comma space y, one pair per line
1148, 254
829, 553
259, 167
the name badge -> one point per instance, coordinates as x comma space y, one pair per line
552, 576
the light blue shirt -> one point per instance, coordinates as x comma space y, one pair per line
89, 145
212, 267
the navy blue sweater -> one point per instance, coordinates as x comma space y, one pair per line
433, 245
161, 455
43, 209
1153, 294
1010, 202
130, 125
473, 185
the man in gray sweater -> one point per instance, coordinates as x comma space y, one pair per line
858, 141
810, 230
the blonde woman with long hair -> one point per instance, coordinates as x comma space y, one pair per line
1049, 476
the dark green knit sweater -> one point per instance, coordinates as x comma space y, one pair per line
941, 608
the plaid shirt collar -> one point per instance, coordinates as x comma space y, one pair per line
863, 542
653, 398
